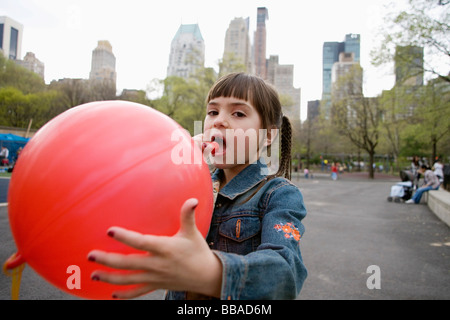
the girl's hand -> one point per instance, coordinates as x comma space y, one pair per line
183, 262
198, 139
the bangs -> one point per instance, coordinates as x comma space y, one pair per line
234, 85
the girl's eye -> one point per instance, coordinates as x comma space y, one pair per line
212, 113
239, 114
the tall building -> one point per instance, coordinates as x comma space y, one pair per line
103, 65
11, 33
32, 63
187, 52
331, 51
237, 43
259, 46
313, 109
352, 44
342, 68
282, 78
330, 55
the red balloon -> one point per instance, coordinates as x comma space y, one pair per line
99, 165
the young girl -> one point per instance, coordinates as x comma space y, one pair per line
252, 249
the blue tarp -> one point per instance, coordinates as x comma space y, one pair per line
13, 143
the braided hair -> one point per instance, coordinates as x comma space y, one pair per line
285, 168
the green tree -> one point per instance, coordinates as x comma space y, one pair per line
12, 105
231, 63
183, 99
430, 122
101, 90
354, 116
73, 92
198, 88
396, 105
425, 24
18, 109
173, 98
13, 75
138, 96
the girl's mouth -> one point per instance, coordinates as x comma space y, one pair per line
221, 142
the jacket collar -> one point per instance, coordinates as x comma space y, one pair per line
244, 180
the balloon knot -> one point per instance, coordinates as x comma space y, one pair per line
13, 268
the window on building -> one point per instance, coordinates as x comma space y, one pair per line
13, 44
1, 35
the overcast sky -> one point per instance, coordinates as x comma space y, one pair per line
63, 33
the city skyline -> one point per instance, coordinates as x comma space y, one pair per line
57, 31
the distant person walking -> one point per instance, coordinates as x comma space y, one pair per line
334, 171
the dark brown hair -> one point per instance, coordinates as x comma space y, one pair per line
265, 99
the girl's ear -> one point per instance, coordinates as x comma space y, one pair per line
272, 133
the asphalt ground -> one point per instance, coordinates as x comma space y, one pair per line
350, 227
4, 183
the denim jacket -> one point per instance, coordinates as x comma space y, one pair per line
255, 231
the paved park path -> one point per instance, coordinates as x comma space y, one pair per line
349, 227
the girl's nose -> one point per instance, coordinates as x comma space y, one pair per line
221, 121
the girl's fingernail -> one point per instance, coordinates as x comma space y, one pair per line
114, 296
91, 258
95, 278
111, 233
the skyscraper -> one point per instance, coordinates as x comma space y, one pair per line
313, 109
259, 46
352, 44
103, 65
331, 51
346, 66
281, 76
187, 52
237, 43
10, 38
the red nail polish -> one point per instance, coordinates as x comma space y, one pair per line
111, 233
95, 278
91, 258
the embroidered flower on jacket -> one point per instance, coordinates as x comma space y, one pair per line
289, 230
